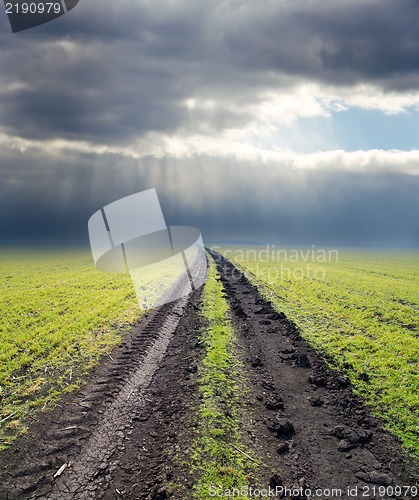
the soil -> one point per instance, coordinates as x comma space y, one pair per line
126, 433
316, 433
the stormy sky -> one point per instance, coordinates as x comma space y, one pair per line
285, 121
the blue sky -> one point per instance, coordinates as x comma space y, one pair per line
351, 130
363, 129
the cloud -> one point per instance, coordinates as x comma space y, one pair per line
206, 101
346, 199
335, 42
113, 74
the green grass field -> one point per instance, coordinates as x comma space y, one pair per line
362, 310
58, 317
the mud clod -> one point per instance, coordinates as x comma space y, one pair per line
256, 362
282, 428
350, 439
316, 402
316, 380
274, 404
283, 448
375, 477
302, 361
275, 481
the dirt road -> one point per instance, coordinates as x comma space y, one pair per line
126, 433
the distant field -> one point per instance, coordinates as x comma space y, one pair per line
362, 310
58, 317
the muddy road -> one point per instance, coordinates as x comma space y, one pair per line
126, 434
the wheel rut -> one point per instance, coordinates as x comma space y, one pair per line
85, 435
127, 432
82, 477
309, 427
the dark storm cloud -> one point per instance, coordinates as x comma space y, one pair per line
225, 199
334, 42
110, 72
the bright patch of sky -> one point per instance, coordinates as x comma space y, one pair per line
351, 130
361, 129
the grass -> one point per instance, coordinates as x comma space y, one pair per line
363, 312
59, 317
217, 451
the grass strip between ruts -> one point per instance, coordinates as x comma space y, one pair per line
219, 455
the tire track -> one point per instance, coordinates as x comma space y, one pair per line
86, 428
127, 432
312, 429
81, 479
